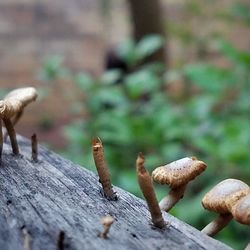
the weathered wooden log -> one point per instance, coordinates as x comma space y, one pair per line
55, 204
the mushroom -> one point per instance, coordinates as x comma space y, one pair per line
106, 221
177, 174
241, 210
12, 106
220, 199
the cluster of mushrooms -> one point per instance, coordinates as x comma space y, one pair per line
230, 198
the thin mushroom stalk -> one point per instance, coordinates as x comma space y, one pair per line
102, 169
146, 186
34, 148
172, 198
11, 131
14, 122
217, 224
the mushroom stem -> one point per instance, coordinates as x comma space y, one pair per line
11, 131
34, 148
1, 140
217, 224
102, 169
14, 122
146, 186
172, 198
248, 246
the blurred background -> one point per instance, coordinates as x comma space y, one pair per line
168, 78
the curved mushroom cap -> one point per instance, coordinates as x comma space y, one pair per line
241, 211
224, 195
178, 173
107, 220
9, 108
24, 95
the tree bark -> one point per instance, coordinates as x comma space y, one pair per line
55, 204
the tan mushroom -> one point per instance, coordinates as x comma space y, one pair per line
177, 174
220, 199
11, 107
106, 221
241, 210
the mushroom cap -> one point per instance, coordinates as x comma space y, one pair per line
178, 173
2, 107
224, 195
24, 95
241, 210
107, 220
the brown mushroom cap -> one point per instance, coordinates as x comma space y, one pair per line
178, 173
221, 197
241, 210
24, 95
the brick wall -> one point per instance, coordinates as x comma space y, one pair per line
31, 30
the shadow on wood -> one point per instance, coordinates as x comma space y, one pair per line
41, 200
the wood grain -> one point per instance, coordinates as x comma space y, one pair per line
41, 200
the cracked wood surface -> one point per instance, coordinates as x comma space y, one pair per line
40, 201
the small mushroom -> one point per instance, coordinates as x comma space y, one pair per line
241, 210
220, 199
106, 221
177, 174
11, 107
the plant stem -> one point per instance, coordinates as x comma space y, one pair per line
146, 185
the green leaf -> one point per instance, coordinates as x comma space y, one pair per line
84, 81
110, 77
142, 82
127, 52
148, 45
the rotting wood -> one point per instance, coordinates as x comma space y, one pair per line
55, 195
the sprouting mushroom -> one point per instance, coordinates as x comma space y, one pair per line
11, 107
241, 210
220, 199
177, 174
106, 221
